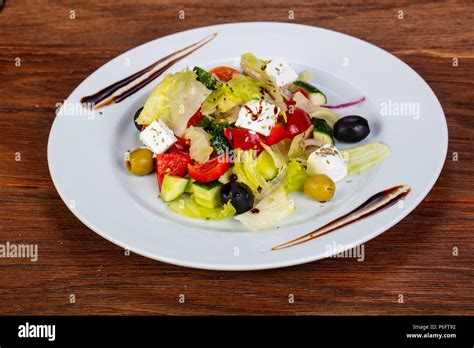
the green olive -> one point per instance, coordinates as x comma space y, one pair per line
319, 187
140, 162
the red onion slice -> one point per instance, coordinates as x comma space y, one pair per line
345, 105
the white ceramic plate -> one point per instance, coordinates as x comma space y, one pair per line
85, 151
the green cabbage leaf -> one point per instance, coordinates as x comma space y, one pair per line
174, 100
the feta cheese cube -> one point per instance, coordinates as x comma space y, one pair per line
259, 116
327, 160
282, 71
157, 137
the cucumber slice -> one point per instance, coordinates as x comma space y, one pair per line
318, 98
304, 85
189, 186
327, 115
173, 187
315, 95
321, 125
208, 196
322, 132
323, 138
266, 166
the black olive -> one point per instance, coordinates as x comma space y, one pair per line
139, 126
239, 196
351, 129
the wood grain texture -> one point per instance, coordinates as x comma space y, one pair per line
414, 258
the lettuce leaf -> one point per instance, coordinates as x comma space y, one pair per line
361, 157
174, 100
306, 76
297, 150
295, 176
239, 90
187, 206
245, 167
200, 148
269, 211
255, 68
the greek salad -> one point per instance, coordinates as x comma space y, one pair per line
228, 143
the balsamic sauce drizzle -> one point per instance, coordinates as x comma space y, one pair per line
374, 204
2, 5
106, 95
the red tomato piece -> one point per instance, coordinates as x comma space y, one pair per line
224, 73
297, 121
210, 170
181, 145
195, 119
290, 103
172, 164
243, 139
277, 134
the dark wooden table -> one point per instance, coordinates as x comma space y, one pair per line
424, 265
